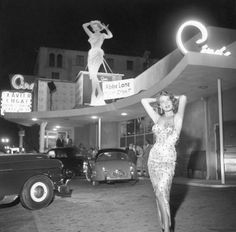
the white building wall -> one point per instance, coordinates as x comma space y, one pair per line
70, 68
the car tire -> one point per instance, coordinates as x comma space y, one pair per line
134, 181
37, 192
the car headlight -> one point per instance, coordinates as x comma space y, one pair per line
85, 166
131, 168
105, 172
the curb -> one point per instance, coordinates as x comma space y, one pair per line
199, 183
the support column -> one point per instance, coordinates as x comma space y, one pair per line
41, 136
99, 132
222, 169
205, 106
21, 139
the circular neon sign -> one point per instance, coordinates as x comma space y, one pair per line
203, 39
197, 24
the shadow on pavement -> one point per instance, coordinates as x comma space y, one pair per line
177, 197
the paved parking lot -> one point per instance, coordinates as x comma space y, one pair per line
126, 208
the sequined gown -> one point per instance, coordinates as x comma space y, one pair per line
95, 54
161, 163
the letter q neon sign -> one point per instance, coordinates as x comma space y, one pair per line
204, 36
18, 82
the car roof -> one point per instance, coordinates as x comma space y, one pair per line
64, 148
108, 150
111, 149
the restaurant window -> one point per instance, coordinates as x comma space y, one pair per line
55, 75
136, 131
52, 60
129, 65
79, 60
130, 127
59, 61
123, 129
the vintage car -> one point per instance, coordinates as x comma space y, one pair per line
33, 179
110, 165
71, 158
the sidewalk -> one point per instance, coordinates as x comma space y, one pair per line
229, 182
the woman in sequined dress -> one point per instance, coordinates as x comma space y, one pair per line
167, 120
95, 56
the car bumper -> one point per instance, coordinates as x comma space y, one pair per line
63, 189
107, 177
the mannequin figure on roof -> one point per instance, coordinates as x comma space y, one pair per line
95, 56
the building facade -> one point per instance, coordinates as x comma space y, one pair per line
63, 64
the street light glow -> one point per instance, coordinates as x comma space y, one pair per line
5, 140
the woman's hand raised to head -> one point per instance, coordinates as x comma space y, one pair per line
149, 109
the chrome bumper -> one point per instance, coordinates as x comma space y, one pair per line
63, 189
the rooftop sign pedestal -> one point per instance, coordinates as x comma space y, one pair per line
84, 87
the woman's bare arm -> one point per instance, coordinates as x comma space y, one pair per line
180, 114
149, 109
182, 104
86, 29
108, 34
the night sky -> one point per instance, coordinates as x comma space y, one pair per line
137, 25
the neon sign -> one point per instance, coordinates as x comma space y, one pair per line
18, 82
203, 39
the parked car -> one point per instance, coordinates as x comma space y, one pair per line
71, 158
31, 178
109, 165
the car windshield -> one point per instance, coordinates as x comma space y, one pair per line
67, 152
61, 154
112, 155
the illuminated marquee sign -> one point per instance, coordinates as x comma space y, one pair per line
118, 89
204, 35
13, 101
18, 82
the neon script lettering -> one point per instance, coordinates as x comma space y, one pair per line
18, 82
203, 39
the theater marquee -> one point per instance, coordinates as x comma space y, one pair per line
15, 101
